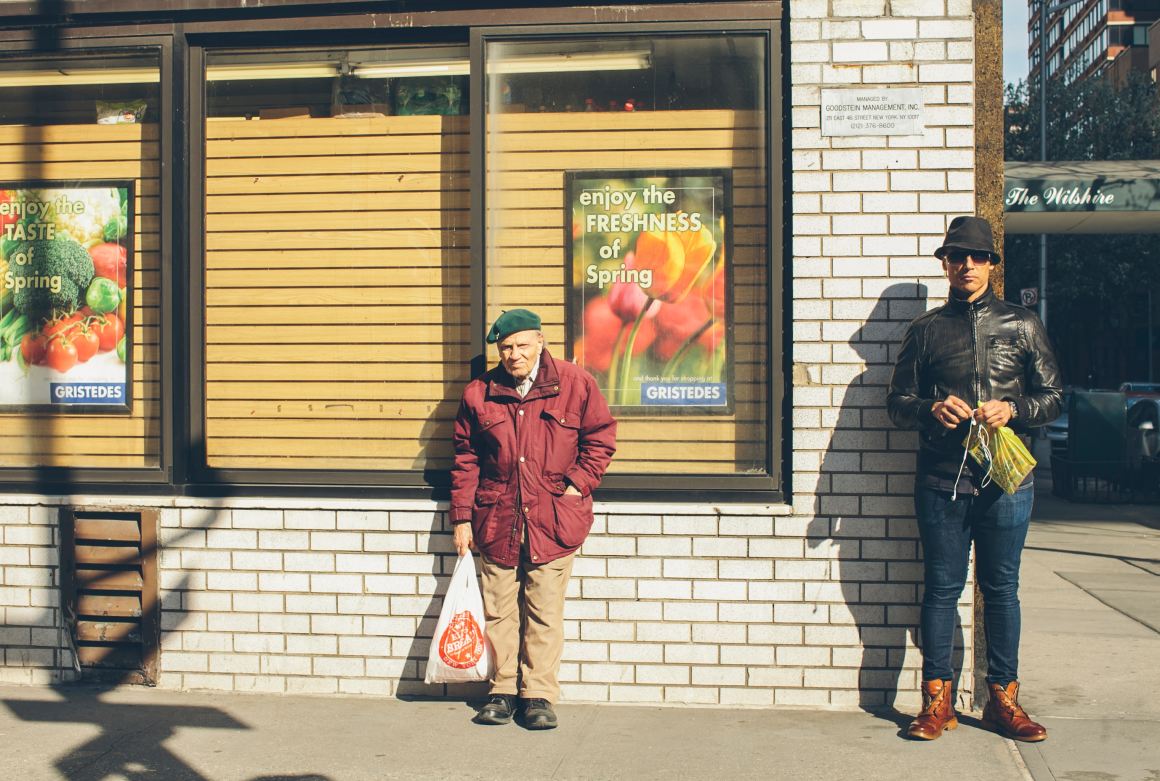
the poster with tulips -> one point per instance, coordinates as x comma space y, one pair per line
648, 287
66, 258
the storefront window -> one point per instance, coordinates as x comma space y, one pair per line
80, 261
336, 257
627, 203
104, 88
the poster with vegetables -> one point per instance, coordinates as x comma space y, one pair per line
66, 256
648, 287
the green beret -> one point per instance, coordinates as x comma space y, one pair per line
513, 321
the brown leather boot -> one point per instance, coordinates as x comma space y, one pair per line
938, 711
1004, 715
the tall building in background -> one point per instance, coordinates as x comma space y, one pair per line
1093, 37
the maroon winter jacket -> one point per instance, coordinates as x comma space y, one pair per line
507, 447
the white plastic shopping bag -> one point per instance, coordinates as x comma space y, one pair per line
459, 650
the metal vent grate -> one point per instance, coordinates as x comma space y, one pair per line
109, 582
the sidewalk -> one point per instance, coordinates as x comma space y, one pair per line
1091, 597
137, 733
1090, 661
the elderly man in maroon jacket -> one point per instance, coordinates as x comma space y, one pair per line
532, 440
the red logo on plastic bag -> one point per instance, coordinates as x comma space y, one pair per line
461, 645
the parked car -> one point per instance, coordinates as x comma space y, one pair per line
1134, 391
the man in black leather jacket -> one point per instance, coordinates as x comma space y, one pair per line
983, 361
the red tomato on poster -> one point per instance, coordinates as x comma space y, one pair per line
110, 261
86, 342
109, 330
60, 354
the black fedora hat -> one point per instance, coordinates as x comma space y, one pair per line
970, 234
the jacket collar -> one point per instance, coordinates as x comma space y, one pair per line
502, 385
962, 305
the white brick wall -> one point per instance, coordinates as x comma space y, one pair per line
32, 648
742, 605
813, 604
886, 202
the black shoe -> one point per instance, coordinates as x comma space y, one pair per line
538, 714
499, 710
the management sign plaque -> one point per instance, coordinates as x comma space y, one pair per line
872, 112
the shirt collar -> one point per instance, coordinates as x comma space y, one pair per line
530, 380
963, 305
501, 384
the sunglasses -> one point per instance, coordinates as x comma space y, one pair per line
959, 257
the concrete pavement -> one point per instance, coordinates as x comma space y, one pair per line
1091, 587
1090, 659
136, 734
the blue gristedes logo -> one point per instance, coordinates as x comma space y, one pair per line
87, 392
683, 394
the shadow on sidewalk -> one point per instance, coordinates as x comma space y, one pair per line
131, 741
1130, 560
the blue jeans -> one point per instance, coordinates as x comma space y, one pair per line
997, 522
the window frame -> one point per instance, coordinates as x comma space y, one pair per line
55, 479
402, 484
183, 40
772, 486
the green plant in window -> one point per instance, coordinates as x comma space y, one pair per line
436, 95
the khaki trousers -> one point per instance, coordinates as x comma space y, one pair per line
524, 607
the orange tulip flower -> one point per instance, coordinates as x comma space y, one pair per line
663, 254
677, 259
699, 248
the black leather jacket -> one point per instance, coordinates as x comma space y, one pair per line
978, 351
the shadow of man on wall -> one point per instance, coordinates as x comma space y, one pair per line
864, 511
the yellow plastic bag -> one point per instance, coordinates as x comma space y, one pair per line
1002, 453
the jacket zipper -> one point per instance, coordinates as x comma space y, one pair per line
517, 529
976, 355
978, 369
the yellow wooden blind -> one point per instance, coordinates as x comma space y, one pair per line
72, 153
528, 156
337, 290
337, 280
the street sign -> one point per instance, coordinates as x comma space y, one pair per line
1029, 296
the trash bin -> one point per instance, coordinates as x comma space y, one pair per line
1096, 466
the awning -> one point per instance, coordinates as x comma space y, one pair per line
1087, 196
